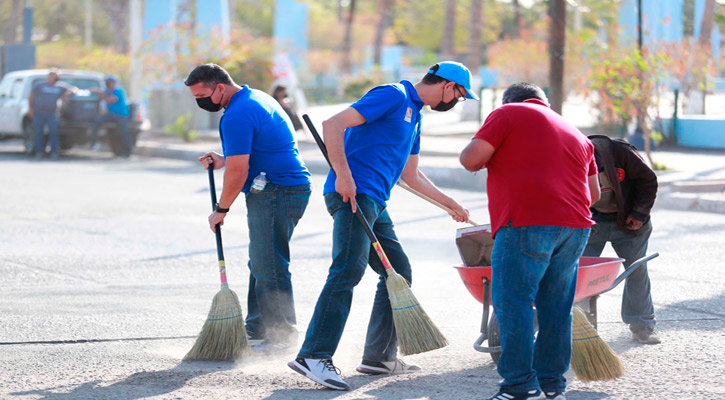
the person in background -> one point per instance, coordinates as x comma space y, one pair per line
117, 112
258, 140
371, 145
629, 188
280, 94
43, 106
542, 179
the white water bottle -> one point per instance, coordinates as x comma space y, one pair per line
259, 183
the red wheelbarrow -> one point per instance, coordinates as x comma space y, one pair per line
596, 276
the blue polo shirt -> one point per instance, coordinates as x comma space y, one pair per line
254, 123
119, 107
378, 150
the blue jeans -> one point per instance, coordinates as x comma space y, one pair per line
351, 253
39, 122
121, 121
535, 265
272, 216
637, 308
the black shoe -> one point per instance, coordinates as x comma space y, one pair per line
530, 395
555, 395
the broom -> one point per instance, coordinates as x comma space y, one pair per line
429, 200
592, 359
415, 330
223, 337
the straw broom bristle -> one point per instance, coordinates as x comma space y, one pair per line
592, 359
415, 330
223, 337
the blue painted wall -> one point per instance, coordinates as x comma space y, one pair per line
699, 131
291, 30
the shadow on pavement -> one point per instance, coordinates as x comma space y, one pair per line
416, 386
136, 386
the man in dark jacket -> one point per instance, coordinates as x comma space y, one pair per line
628, 191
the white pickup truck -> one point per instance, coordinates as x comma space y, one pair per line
76, 115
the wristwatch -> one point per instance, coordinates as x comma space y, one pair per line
220, 210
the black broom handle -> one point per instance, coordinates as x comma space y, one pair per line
212, 187
323, 148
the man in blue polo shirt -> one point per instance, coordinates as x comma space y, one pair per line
371, 145
117, 112
257, 138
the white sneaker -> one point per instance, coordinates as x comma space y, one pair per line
320, 371
395, 367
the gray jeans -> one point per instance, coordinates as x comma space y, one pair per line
637, 308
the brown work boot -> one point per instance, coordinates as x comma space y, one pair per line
646, 335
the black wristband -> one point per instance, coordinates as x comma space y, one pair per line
220, 210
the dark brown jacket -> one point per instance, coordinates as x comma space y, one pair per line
634, 182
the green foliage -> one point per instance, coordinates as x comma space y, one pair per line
659, 166
357, 87
181, 127
257, 16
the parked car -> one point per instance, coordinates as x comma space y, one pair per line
76, 115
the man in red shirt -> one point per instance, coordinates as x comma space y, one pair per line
542, 179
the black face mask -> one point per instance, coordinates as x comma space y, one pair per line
445, 106
205, 103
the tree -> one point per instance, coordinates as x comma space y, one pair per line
347, 42
557, 39
518, 21
383, 24
117, 11
11, 29
449, 31
708, 17
471, 109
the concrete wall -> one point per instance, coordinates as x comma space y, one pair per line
165, 105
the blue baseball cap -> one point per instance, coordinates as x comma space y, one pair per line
111, 78
455, 72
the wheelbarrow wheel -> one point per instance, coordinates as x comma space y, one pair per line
494, 336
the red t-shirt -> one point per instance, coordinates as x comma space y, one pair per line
538, 174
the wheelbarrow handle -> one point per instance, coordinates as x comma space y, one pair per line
629, 271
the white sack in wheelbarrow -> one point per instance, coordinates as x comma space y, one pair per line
475, 245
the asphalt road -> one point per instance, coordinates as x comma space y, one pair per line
117, 254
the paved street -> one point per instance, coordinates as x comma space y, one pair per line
107, 250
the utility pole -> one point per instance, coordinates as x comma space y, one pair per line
557, 39
135, 29
88, 5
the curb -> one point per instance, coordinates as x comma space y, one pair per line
458, 178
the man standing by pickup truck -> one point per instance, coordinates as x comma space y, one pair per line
43, 102
117, 111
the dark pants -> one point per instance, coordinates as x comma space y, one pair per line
272, 216
40, 120
637, 308
121, 121
351, 253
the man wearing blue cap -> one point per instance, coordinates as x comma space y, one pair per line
117, 112
371, 145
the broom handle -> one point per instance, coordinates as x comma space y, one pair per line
407, 187
360, 216
219, 250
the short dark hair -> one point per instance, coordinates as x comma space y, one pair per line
431, 79
210, 75
522, 91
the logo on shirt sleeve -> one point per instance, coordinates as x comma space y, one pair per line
620, 174
408, 114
